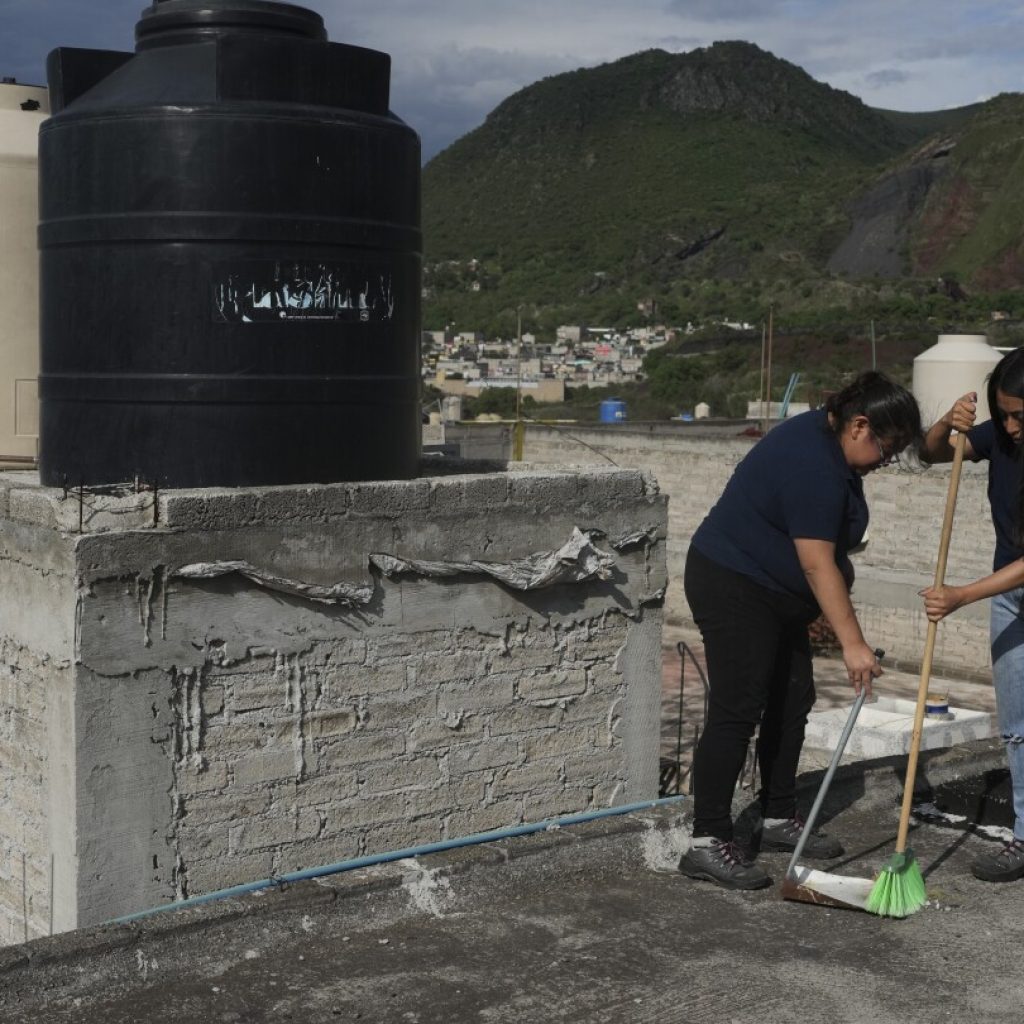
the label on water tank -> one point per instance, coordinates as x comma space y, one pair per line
276, 291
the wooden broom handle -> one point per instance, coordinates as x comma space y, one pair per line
929, 646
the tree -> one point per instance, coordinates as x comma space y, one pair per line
493, 400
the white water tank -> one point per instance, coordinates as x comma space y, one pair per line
701, 411
956, 364
22, 109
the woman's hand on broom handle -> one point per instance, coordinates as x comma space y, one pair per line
861, 666
941, 601
936, 445
964, 412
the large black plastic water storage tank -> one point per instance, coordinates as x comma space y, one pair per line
230, 257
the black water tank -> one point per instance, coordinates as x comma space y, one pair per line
230, 257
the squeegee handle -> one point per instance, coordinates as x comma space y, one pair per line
929, 646
827, 781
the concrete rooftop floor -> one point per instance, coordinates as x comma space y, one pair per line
579, 924
587, 923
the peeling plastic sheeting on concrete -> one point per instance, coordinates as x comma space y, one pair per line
346, 594
646, 537
574, 562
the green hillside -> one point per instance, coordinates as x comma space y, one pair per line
711, 182
972, 223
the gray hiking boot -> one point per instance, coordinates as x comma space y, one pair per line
786, 834
1006, 865
724, 864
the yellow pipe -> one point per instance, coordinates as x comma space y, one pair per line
518, 437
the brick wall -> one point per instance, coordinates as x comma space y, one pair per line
387, 744
24, 783
37, 621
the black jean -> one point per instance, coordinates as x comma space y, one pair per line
759, 671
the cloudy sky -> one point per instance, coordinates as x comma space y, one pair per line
455, 60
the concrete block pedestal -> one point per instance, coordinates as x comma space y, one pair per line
216, 686
885, 726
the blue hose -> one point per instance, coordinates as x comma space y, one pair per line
410, 851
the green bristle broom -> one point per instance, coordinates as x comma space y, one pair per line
899, 889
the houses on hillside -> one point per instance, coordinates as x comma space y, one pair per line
465, 363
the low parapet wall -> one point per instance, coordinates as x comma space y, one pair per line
220, 686
692, 466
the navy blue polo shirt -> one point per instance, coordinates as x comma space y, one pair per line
793, 483
1004, 470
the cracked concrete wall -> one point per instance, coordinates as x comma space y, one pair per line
224, 729
37, 806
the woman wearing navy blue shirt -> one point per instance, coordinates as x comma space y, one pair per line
771, 556
999, 441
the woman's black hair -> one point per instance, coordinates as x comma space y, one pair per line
1008, 377
890, 409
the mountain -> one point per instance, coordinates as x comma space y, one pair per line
971, 221
950, 208
717, 180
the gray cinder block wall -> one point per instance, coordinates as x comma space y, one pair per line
228, 685
899, 559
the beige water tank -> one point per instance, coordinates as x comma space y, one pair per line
956, 364
22, 109
701, 411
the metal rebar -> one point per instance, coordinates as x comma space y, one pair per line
686, 652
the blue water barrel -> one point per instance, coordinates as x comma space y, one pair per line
613, 410
230, 257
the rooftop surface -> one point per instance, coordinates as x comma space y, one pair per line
584, 923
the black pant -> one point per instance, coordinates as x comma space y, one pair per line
759, 670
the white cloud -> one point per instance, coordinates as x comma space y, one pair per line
454, 60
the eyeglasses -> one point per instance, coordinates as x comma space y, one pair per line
883, 458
